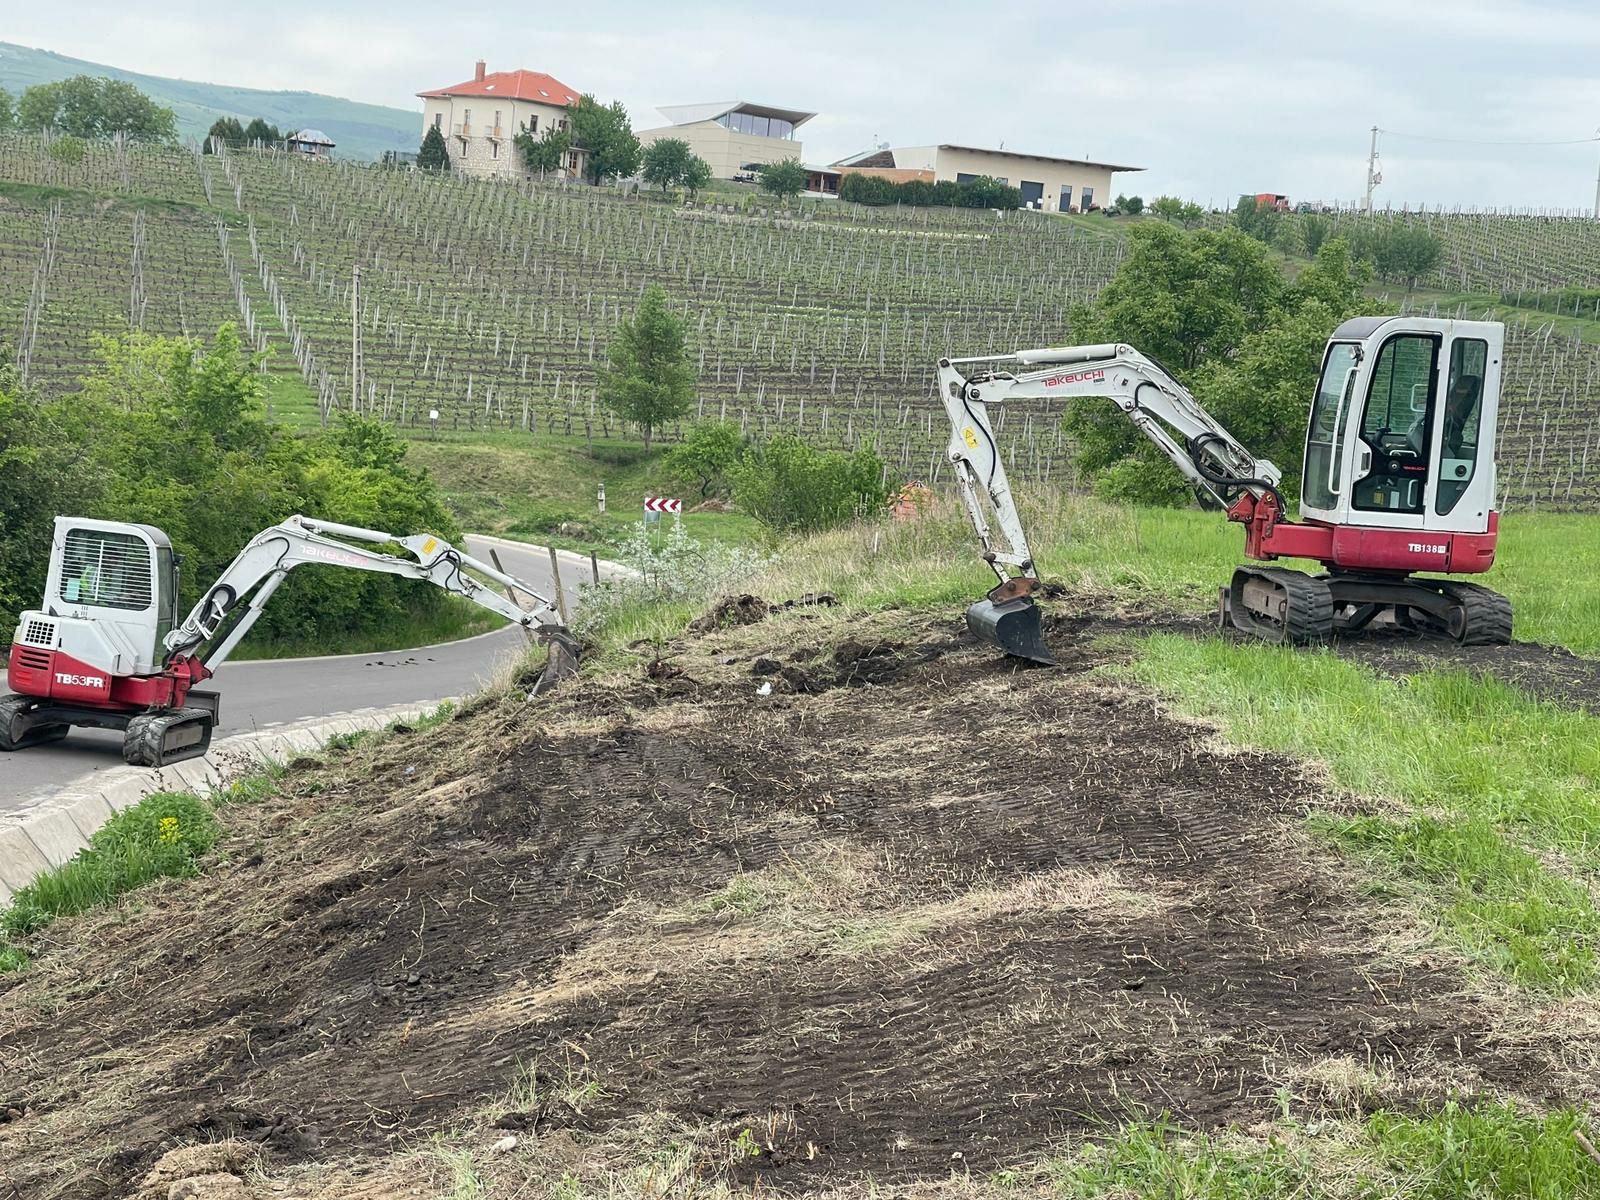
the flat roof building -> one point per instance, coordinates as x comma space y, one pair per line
1048, 183
733, 135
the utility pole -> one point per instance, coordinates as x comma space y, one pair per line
1372, 170
1597, 184
355, 339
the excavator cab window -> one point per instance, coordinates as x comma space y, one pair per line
1463, 408
1395, 425
106, 569
1325, 435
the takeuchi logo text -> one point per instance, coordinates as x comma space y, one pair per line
83, 681
1094, 376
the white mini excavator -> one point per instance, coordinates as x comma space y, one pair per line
1399, 479
106, 649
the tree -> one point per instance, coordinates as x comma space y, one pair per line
258, 132
1170, 208
1181, 299
697, 175
44, 471
786, 178
226, 130
8, 112
544, 153
666, 162
603, 132
789, 484
1215, 310
89, 107
1132, 205
648, 379
706, 455
433, 155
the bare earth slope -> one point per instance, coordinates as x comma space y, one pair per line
914, 909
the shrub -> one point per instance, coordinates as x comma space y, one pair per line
790, 485
705, 456
667, 568
877, 191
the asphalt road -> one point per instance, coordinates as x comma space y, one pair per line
256, 695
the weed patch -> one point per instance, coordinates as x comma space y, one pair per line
163, 835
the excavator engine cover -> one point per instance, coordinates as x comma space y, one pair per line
1014, 626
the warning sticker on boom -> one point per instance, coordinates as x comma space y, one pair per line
971, 438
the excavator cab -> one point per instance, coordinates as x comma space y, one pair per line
1403, 425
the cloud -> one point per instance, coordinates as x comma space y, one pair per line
1216, 99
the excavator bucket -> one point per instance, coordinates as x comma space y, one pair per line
562, 661
1009, 619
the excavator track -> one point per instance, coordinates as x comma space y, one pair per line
1484, 614
1279, 605
160, 739
21, 728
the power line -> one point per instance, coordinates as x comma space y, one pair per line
1421, 137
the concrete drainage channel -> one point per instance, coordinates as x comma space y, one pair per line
52, 830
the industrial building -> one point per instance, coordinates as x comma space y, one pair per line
1048, 183
733, 136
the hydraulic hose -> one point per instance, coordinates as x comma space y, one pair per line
1197, 451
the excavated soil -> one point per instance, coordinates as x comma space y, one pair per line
915, 907
1552, 673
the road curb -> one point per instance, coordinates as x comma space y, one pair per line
52, 830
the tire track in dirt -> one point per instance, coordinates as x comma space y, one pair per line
388, 947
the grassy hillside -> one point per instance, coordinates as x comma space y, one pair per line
362, 131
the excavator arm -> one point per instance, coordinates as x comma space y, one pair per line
1221, 470
222, 617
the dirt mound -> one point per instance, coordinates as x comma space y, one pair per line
925, 908
732, 610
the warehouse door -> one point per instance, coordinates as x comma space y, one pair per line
1032, 194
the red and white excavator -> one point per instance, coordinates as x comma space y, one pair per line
1399, 479
106, 648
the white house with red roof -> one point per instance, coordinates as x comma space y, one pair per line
479, 118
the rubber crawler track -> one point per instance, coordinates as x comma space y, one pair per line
1308, 616
142, 745
1486, 614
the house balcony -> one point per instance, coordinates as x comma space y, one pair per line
497, 133
463, 130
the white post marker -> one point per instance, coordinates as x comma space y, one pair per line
602, 497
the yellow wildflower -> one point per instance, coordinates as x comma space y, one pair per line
168, 833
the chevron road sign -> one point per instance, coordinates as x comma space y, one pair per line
661, 504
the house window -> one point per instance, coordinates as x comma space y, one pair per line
965, 177
497, 122
533, 123
1088, 199
572, 160
494, 148
466, 120
438, 120
562, 124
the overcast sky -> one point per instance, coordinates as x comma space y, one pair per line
1213, 99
